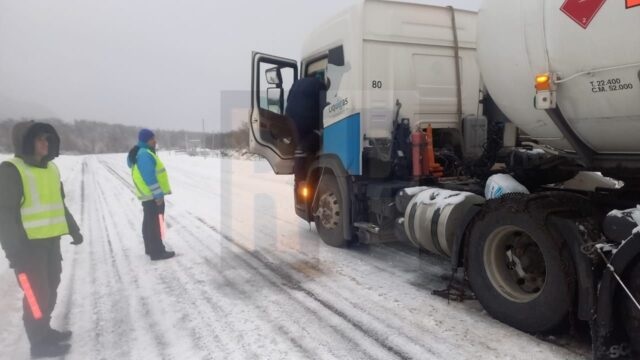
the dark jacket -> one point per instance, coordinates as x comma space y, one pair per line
305, 103
13, 237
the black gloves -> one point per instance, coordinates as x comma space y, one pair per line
77, 239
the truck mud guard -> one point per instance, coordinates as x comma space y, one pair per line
457, 256
609, 341
570, 229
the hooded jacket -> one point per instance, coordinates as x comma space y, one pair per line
13, 237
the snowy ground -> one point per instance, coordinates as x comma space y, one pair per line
251, 281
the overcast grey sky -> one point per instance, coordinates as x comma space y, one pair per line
160, 64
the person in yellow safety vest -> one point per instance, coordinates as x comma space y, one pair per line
33, 217
152, 185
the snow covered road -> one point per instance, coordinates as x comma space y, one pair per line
251, 280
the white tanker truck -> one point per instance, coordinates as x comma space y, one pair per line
505, 140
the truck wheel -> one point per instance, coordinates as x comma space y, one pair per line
518, 269
328, 212
632, 321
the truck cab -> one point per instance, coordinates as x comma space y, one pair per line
413, 68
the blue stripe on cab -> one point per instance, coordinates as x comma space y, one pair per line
343, 139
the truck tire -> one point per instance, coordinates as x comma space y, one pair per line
519, 269
632, 320
328, 209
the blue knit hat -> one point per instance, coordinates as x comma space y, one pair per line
145, 135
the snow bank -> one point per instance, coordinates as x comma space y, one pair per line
236, 154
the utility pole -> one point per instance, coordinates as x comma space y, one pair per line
186, 143
203, 135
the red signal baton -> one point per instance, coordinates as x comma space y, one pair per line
162, 226
31, 298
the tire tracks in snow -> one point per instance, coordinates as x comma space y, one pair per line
439, 346
188, 295
208, 298
176, 288
421, 277
230, 283
71, 280
379, 327
390, 329
73, 264
132, 277
180, 294
111, 312
292, 284
289, 282
95, 276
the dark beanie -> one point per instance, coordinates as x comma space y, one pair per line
145, 135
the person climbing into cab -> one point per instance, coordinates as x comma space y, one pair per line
305, 103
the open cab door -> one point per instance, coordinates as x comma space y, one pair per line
272, 133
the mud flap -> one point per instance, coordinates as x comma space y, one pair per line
610, 341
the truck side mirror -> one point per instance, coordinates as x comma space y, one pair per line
274, 76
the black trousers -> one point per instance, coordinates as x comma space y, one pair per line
305, 152
151, 228
43, 268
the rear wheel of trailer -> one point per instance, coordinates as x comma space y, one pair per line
519, 268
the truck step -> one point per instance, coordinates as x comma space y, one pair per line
369, 233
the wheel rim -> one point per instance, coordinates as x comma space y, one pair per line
328, 212
515, 264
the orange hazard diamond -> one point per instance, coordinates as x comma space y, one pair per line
583, 11
633, 3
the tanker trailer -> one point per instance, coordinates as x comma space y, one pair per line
567, 74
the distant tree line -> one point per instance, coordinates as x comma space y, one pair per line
91, 137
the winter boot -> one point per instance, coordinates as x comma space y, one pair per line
163, 255
57, 336
46, 350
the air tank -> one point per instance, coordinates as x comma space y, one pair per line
593, 46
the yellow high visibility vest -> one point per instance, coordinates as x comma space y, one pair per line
42, 210
143, 191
